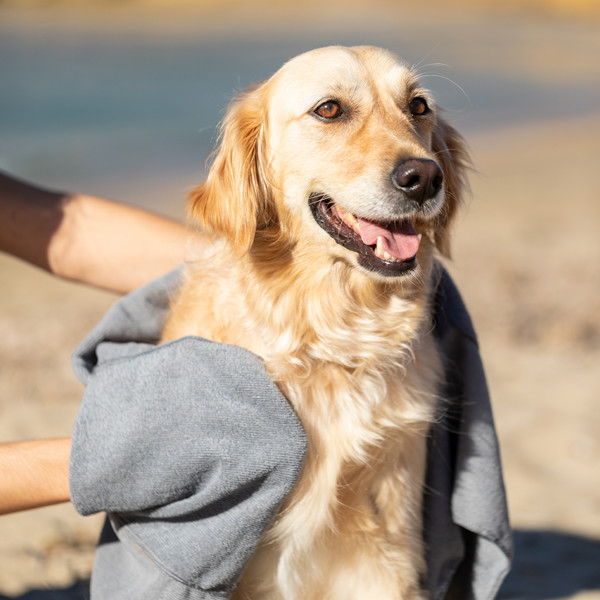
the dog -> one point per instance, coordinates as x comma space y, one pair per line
330, 199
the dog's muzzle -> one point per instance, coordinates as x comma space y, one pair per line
389, 249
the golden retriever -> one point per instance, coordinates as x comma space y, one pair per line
331, 192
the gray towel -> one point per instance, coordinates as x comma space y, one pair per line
191, 449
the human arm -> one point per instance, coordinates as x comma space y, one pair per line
33, 474
88, 239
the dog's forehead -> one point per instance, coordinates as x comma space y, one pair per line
338, 71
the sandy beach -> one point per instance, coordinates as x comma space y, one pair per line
527, 261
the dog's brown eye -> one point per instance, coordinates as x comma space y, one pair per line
329, 110
418, 106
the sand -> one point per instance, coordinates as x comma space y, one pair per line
527, 260
530, 273
530, 276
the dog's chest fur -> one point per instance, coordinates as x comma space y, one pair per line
361, 372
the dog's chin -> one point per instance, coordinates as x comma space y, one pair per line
344, 229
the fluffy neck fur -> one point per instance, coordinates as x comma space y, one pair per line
354, 358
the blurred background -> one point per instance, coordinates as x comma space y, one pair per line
122, 100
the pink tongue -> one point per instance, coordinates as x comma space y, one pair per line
400, 240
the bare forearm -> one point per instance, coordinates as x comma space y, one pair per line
33, 474
29, 218
88, 239
114, 246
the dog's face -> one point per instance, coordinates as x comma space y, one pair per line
341, 149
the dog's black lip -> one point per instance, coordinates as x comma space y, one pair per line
320, 206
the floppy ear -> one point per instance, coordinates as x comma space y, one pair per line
233, 202
453, 157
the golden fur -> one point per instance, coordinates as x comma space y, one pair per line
350, 348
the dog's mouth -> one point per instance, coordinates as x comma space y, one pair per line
387, 248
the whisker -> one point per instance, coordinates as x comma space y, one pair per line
417, 65
420, 71
456, 85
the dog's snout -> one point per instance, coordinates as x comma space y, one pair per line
420, 179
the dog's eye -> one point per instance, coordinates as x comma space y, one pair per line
418, 106
329, 110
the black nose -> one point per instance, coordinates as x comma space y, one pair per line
420, 179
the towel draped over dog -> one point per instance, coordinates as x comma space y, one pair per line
191, 449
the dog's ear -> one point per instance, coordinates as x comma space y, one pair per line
233, 202
452, 155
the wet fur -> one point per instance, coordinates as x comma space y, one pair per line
351, 350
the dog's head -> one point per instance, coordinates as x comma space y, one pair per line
341, 149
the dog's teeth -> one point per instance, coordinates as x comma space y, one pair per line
352, 222
349, 219
380, 251
419, 235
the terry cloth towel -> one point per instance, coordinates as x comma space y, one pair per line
190, 448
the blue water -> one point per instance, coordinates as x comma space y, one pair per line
102, 112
